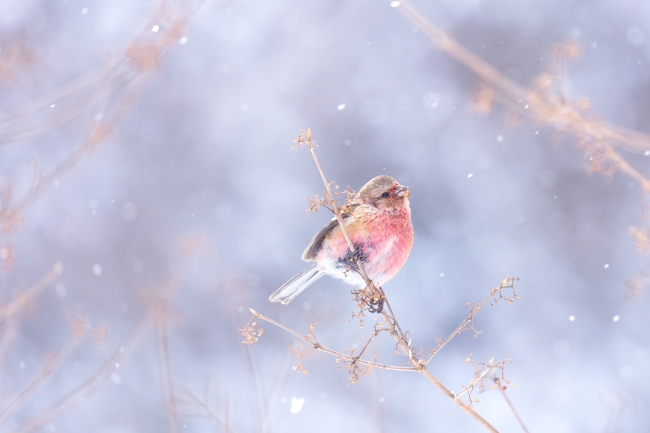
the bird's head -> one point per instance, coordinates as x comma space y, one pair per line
385, 193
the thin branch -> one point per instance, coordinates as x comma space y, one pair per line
336, 209
50, 366
15, 306
204, 410
318, 346
476, 380
512, 408
374, 335
164, 365
506, 283
133, 67
104, 373
258, 388
99, 132
93, 383
9, 337
421, 368
539, 105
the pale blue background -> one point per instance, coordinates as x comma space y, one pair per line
206, 150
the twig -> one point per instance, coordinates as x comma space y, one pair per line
15, 306
51, 365
258, 389
512, 408
133, 68
90, 385
164, 365
204, 410
103, 373
319, 347
9, 337
506, 283
335, 207
477, 379
421, 368
539, 106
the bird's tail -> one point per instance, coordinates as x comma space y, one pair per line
297, 284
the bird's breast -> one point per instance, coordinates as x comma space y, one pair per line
385, 241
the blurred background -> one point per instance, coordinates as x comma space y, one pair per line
150, 198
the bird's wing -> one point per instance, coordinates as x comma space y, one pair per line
316, 243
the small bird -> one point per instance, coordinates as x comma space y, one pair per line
379, 225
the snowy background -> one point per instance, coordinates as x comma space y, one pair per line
205, 150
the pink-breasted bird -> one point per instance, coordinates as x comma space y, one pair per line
379, 225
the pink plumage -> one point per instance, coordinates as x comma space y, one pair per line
379, 225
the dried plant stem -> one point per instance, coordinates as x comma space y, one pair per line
512, 408
319, 347
463, 326
103, 373
446, 43
99, 132
204, 410
420, 366
9, 337
51, 365
90, 385
132, 69
477, 379
15, 306
336, 208
164, 365
392, 326
70, 101
258, 387
554, 110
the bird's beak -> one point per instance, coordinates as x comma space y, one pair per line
403, 191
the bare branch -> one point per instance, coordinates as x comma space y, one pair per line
468, 323
90, 385
15, 306
546, 103
306, 139
124, 77
502, 389
52, 363
479, 379
200, 408
164, 365
108, 368
315, 345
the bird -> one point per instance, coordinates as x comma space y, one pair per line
379, 225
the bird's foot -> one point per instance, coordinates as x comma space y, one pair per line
376, 305
351, 260
356, 256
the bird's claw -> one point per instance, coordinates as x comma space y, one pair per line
355, 256
376, 305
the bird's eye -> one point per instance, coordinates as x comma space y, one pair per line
385, 195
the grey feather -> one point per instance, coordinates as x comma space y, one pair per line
316, 243
297, 284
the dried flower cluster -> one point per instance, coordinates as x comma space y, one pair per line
487, 375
